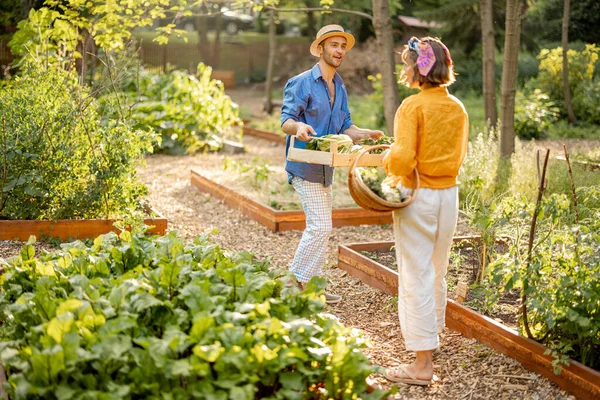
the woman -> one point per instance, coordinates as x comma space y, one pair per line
431, 135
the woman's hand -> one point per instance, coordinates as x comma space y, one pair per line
373, 134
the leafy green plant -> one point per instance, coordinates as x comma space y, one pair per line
190, 113
256, 172
138, 317
59, 160
534, 114
560, 281
581, 72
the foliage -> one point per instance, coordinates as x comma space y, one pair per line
271, 123
545, 18
534, 114
60, 161
323, 143
257, 172
586, 102
368, 111
191, 113
54, 31
479, 170
583, 130
137, 317
373, 177
561, 282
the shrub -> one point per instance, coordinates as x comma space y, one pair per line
581, 72
561, 283
137, 317
60, 162
478, 173
190, 113
534, 114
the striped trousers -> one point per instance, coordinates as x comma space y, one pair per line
317, 202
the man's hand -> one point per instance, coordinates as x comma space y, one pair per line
304, 132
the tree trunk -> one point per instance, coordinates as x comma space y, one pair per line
385, 57
202, 28
565, 62
311, 23
216, 55
488, 62
512, 40
268, 106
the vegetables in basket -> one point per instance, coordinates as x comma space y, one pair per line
373, 177
323, 143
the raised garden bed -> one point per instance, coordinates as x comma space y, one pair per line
267, 135
64, 229
277, 220
590, 166
575, 378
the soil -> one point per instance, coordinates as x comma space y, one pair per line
463, 267
466, 369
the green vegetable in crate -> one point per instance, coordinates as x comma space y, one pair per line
373, 177
323, 143
382, 140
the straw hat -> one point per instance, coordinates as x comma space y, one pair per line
329, 31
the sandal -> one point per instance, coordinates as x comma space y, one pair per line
403, 375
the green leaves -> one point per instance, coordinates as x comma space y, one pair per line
187, 321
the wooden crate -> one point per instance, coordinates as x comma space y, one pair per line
277, 220
64, 229
332, 158
575, 378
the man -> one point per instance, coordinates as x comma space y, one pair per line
316, 104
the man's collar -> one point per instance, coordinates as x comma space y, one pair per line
316, 74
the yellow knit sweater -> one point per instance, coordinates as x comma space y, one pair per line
431, 131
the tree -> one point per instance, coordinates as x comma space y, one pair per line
488, 61
385, 56
512, 35
270, 62
565, 63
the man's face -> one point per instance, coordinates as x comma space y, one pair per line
333, 50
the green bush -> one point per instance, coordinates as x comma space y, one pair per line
586, 100
582, 130
562, 281
191, 113
60, 161
534, 114
137, 317
367, 111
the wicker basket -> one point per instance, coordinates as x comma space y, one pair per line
364, 197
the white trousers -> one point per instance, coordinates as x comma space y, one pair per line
317, 202
423, 234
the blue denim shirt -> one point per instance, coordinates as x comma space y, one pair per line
306, 99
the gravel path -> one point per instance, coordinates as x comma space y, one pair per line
466, 370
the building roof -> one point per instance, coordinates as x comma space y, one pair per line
417, 23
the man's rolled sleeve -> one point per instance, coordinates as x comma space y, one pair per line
294, 101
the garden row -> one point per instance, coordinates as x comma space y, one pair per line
493, 217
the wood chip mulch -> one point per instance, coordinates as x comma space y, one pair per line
466, 369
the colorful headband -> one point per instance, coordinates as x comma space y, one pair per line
426, 59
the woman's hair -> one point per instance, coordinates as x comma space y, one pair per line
442, 72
